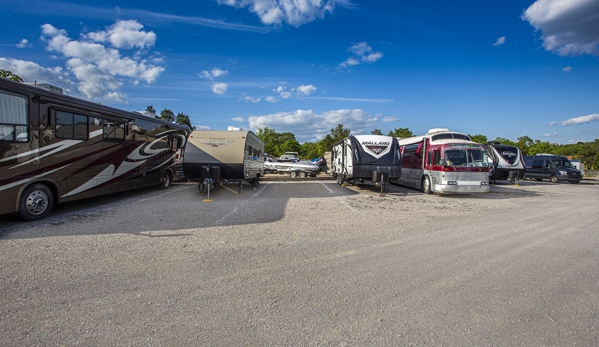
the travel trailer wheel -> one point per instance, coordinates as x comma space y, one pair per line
340, 179
554, 179
302, 174
166, 180
426, 185
36, 202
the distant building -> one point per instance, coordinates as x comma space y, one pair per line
47, 86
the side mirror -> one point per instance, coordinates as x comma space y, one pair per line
442, 162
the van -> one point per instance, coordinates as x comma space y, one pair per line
554, 168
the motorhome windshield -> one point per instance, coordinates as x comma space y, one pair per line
450, 136
466, 157
562, 162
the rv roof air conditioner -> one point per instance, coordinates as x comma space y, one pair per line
437, 130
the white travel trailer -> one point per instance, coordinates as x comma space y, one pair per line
366, 159
215, 156
506, 162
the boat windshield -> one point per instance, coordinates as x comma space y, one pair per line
466, 157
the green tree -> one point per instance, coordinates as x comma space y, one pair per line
166, 115
309, 150
479, 138
151, 109
505, 141
401, 133
376, 132
11, 76
339, 133
183, 119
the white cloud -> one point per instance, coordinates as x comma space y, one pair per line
567, 69
500, 41
31, 72
219, 88
100, 69
307, 125
306, 90
299, 91
212, 74
250, 99
551, 135
361, 53
125, 34
568, 27
390, 119
238, 119
581, 120
292, 12
23, 44
271, 98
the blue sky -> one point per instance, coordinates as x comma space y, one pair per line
498, 68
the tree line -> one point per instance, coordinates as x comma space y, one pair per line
276, 144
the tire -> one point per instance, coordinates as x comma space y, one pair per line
166, 180
293, 174
340, 179
426, 185
554, 179
36, 202
302, 174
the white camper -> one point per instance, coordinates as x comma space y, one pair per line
366, 159
213, 156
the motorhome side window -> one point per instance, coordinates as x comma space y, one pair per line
113, 130
13, 118
71, 126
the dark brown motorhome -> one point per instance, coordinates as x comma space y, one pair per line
56, 148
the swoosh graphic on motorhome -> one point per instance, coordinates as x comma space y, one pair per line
147, 151
131, 162
57, 148
31, 178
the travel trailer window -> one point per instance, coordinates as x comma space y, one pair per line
71, 126
13, 118
113, 131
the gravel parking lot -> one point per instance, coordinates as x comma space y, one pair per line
305, 263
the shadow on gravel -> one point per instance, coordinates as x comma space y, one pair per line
152, 212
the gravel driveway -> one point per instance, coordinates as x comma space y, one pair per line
306, 263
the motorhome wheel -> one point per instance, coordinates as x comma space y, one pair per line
36, 202
426, 185
166, 180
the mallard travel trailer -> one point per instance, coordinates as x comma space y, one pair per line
366, 159
56, 148
215, 156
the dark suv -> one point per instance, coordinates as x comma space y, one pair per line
552, 167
